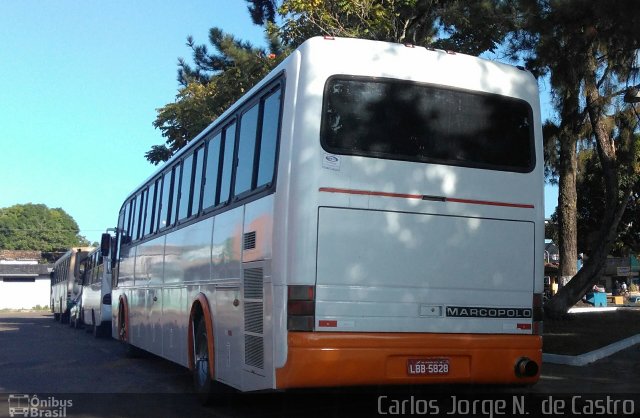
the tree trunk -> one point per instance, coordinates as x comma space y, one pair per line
614, 207
567, 205
567, 195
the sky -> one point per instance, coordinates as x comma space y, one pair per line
80, 82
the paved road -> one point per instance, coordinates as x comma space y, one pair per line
94, 378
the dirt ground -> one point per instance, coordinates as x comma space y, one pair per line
587, 331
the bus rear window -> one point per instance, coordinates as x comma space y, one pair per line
402, 120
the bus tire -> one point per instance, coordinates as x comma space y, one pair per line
56, 317
207, 389
123, 335
64, 317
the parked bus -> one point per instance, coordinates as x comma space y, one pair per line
95, 308
65, 283
369, 213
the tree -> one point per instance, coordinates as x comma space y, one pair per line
209, 87
591, 204
589, 49
472, 27
38, 228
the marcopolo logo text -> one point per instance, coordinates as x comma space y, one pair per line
487, 312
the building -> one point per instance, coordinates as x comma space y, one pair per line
24, 283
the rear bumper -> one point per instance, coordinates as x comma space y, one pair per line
350, 359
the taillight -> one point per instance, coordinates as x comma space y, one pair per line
538, 313
301, 308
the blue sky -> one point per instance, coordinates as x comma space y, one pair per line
80, 82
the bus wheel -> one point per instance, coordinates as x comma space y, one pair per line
203, 382
64, 317
56, 317
123, 335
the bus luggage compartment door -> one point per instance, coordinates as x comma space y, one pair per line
384, 271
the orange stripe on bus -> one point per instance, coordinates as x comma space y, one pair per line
489, 203
424, 197
370, 193
330, 359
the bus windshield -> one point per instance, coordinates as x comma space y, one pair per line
403, 120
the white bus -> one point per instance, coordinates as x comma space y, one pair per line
369, 213
66, 288
95, 307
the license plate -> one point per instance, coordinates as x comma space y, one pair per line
437, 366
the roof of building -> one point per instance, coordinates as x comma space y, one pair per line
24, 270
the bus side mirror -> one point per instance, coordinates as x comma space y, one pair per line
105, 244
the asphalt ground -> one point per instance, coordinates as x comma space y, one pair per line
73, 374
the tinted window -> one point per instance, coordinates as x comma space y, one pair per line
142, 212
171, 219
151, 205
134, 217
269, 139
124, 220
227, 163
197, 180
246, 149
425, 123
211, 174
185, 188
157, 216
165, 210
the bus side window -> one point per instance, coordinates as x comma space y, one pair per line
142, 213
158, 217
212, 172
173, 206
126, 225
165, 209
246, 150
135, 216
269, 139
184, 198
197, 180
228, 145
151, 205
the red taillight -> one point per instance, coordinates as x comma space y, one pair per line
300, 308
538, 313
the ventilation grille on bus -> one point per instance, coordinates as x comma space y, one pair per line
249, 240
253, 317
254, 351
253, 283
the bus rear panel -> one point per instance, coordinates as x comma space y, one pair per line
416, 200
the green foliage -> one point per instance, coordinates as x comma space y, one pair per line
262, 11
213, 84
38, 228
472, 26
592, 201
